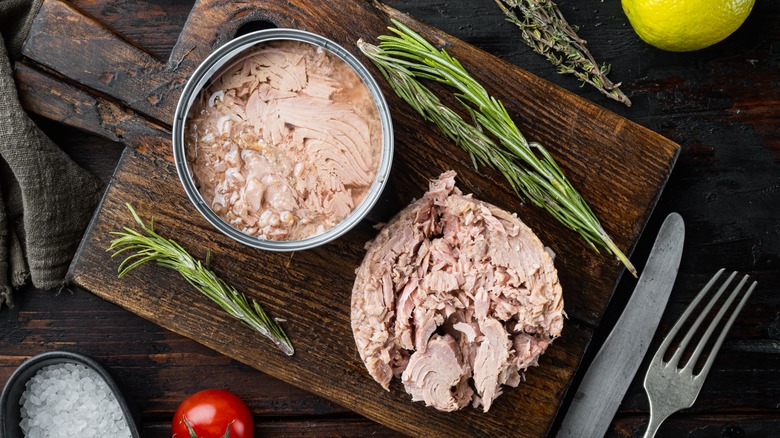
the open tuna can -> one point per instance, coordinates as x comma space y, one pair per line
283, 140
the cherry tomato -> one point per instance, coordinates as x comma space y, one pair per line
209, 413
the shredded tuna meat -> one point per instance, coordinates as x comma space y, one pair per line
457, 298
285, 143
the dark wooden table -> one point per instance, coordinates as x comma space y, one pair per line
721, 104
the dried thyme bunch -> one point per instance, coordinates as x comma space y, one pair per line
150, 246
546, 31
528, 167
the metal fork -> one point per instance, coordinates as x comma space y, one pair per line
671, 388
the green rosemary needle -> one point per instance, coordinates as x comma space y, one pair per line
547, 32
529, 168
482, 149
150, 246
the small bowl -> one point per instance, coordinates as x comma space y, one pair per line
10, 412
200, 79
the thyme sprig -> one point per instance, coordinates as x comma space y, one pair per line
150, 246
405, 57
548, 33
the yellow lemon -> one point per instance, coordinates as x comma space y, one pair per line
685, 25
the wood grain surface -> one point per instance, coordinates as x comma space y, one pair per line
700, 108
311, 289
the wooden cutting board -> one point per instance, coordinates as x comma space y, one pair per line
81, 73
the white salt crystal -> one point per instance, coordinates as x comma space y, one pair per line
70, 400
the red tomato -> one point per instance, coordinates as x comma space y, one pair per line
209, 413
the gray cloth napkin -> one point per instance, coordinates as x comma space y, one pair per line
46, 200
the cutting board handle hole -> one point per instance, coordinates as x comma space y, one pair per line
253, 26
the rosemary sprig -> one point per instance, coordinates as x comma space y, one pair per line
548, 33
482, 149
528, 167
150, 246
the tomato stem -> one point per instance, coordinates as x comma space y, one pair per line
189, 427
227, 431
195, 435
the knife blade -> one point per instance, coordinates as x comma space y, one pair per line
612, 370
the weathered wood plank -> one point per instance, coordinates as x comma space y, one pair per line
616, 194
154, 25
336, 428
96, 57
52, 98
687, 97
155, 367
592, 144
693, 426
317, 324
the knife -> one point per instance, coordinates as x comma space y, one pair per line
607, 379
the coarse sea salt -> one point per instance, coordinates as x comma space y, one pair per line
71, 400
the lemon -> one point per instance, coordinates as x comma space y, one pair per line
685, 25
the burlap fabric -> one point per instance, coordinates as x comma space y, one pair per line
46, 200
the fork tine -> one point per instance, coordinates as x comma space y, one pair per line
715, 321
659, 355
706, 368
669, 388
675, 360
676, 328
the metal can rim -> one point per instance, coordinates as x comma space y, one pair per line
203, 74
